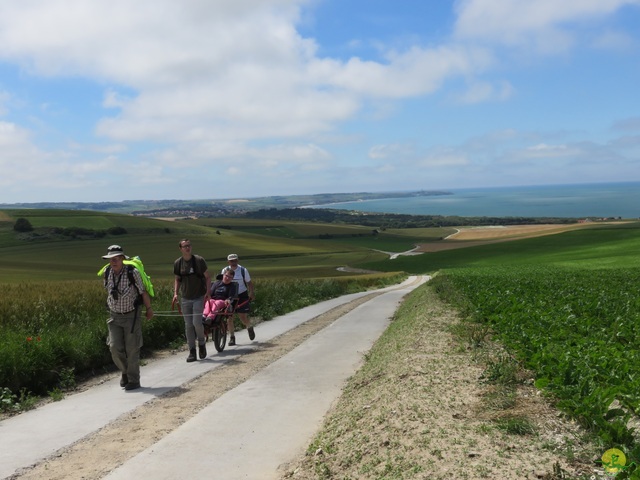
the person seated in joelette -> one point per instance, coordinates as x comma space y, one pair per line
224, 291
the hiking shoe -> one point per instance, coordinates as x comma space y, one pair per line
232, 341
252, 334
192, 355
132, 385
124, 380
203, 351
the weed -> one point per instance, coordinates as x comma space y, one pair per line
56, 394
473, 334
8, 401
516, 425
501, 370
26, 400
67, 379
322, 470
500, 398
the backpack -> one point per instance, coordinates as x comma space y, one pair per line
131, 263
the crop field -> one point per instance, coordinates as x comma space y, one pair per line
577, 329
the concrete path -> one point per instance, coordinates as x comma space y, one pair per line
278, 410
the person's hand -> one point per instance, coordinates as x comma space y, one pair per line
173, 303
149, 313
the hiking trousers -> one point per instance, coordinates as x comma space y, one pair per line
125, 344
192, 310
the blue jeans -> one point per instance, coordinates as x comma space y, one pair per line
192, 312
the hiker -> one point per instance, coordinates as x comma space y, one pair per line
193, 282
126, 293
245, 295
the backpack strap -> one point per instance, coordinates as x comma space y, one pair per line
107, 271
242, 269
132, 279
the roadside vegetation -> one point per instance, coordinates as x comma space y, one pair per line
577, 329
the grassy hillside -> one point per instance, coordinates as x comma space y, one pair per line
68, 244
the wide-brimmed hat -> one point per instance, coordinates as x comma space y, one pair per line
114, 251
232, 256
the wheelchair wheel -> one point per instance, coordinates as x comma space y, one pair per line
220, 334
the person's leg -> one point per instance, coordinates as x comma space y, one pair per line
243, 313
196, 320
244, 318
133, 344
231, 330
116, 345
189, 330
187, 313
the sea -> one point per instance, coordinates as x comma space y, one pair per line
602, 200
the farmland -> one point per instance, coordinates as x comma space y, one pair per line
576, 328
561, 300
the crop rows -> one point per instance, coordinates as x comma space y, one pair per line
578, 330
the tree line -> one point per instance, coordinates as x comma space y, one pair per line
393, 220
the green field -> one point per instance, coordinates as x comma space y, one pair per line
269, 248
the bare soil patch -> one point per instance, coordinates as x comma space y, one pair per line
474, 236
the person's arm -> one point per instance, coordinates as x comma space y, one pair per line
249, 284
147, 304
176, 287
207, 279
250, 290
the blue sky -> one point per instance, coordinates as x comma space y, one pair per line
157, 99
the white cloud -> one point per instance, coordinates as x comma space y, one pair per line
5, 97
417, 71
201, 86
484, 91
538, 23
628, 125
392, 151
197, 70
614, 41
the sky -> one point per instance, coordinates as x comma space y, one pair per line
194, 99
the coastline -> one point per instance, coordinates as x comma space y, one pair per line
586, 201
